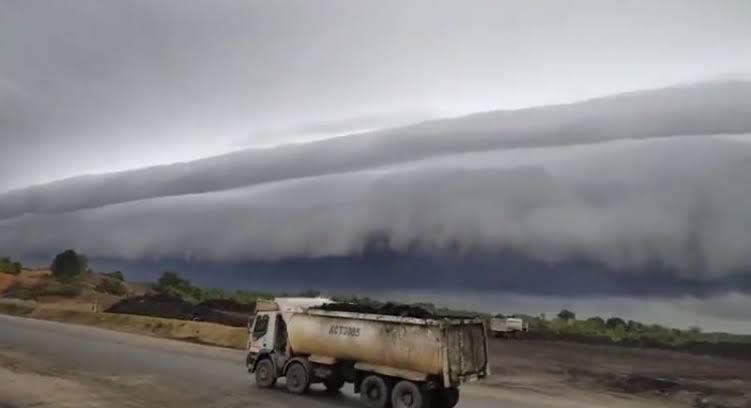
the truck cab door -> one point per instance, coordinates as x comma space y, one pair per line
263, 333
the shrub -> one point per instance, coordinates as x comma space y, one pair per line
8, 266
111, 286
171, 280
117, 275
68, 265
566, 315
615, 322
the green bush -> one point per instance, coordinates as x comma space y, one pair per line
614, 322
170, 281
8, 266
566, 315
117, 275
68, 266
111, 286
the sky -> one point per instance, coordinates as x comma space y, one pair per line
551, 151
98, 86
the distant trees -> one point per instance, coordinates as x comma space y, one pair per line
634, 326
566, 315
615, 322
170, 281
615, 330
596, 322
117, 275
111, 286
8, 266
69, 265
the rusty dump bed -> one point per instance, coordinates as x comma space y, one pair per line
467, 352
452, 350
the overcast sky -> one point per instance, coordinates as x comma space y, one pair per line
633, 204
94, 86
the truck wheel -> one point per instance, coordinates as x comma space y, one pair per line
446, 398
334, 384
265, 375
298, 380
407, 394
374, 392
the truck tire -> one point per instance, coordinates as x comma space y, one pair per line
407, 394
265, 374
374, 392
446, 398
298, 378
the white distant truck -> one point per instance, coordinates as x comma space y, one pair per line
404, 362
508, 326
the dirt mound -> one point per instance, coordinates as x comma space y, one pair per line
42, 289
35, 273
6, 282
389, 309
32, 281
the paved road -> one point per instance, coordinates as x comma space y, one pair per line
59, 365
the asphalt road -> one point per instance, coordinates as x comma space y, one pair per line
60, 365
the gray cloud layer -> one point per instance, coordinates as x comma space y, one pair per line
89, 86
584, 181
706, 108
629, 207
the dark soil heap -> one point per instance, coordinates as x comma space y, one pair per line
389, 309
173, 307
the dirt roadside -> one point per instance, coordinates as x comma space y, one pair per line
26, 381
197, 332
31, 378
549, 373
667, 377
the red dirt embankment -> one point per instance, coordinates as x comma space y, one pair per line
6, 282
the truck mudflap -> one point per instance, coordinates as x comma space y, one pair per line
466, 352
250, 361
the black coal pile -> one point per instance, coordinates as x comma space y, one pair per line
389, 309
159, 305
228, 305
174, 307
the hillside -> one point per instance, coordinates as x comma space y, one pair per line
99, 292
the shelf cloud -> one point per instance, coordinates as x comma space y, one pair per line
629, 182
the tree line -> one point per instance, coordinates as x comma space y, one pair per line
8, 265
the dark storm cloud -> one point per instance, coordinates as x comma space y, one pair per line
93, 86
626, 205
627, 195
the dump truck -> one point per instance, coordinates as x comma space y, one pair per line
508, 326
397, 361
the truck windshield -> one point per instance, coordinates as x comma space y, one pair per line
261, 326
